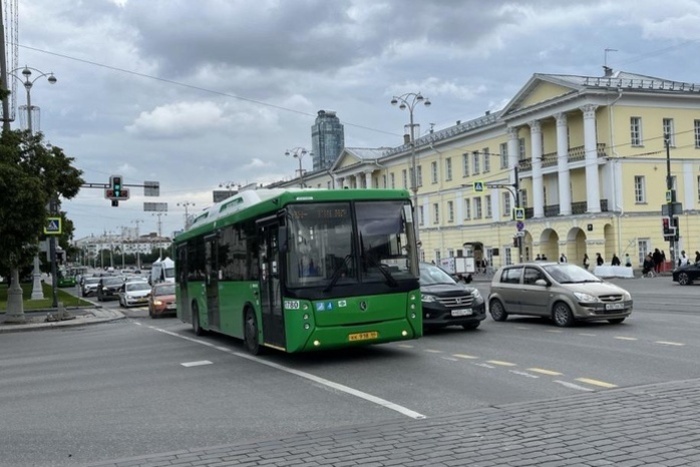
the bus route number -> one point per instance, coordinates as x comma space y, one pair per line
291, 305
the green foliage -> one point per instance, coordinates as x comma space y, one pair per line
31, 174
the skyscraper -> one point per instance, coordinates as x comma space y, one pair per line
327, 139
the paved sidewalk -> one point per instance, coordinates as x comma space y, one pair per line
654, 425
37, 320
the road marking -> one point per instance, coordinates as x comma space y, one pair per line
595, 382
623, 338
302, 374
523, 373
449, 359
405, 346
572, 386
199, 363
544, 372
557, 331
525, 328
679, 344
485, 365
466, 357
433, 351
501, 363
587, 334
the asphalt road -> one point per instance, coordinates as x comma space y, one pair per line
142, 386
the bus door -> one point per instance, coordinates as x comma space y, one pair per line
212, 278
270, 292
183, 307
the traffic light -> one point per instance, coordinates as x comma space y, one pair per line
116, 182
676, 230
666, 224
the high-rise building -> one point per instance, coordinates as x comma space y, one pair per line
327, 139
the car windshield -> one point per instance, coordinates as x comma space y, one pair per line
92, 280
569, 274
431, 275
113, 281
164, 290
134, 286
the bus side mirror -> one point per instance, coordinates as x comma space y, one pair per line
282, 239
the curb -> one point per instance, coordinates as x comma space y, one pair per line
93, 316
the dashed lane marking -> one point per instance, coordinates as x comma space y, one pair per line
596, 382
625, 338
466, 357
405, 346
451, 359
433, 351
524, 373
554, 331
587, 334
199, 363
678, 344
542, 371
572, 386
500, 363
485, 365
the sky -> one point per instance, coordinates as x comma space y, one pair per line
199, 94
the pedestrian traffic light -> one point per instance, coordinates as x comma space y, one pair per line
115, 182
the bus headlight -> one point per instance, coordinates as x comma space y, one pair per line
307, 326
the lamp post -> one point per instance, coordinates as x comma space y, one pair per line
231, 187
28, 82
185, 205
160, 222
298, 153
409, 101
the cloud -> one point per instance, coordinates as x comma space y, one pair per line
179, 120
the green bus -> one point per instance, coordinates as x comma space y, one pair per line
302, 269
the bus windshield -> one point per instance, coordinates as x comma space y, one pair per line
323, 250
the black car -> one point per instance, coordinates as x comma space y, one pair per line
685, 275
447, 303
109, 288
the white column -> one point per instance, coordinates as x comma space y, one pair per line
496, 205
563, 166
368, 179
590, 147
537, 186
513, 151
340, 182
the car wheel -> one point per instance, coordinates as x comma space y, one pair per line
684, 279
498, 313
562, 315
251, 332
471, 326
616, 320
150, 313
198, 331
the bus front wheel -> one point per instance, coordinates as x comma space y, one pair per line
251, 332
198, 331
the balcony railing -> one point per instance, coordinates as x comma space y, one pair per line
580, 207
577, 153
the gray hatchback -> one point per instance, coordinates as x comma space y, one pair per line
561, 291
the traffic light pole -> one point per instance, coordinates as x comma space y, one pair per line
671, 199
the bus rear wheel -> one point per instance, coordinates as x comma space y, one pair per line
250, 332
198, 331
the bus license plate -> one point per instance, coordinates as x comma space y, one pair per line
363, 336
614, 306
463, 312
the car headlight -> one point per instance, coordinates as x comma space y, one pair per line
585, 298
428, 298
627, 296
477, 295
157, 302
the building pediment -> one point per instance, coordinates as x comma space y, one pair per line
541, 89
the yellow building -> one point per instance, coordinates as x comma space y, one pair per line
590, 157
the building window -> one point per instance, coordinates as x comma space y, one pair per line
475, 163
639, 190
504, 155
643, 249
448, 169
477, 208
523, 199
521, 149
668, 130
465, 161
450, 211
450, 253
509, 257
506, 205
437, 256
384, 181
697, 134
698, 187
467, 209
392, 177
434, 172
489, 211
404, 174
636, 131
420, 175
421, 217
487, 160
436, 213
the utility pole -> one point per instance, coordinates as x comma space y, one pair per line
671, 201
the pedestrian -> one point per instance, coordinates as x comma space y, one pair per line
628, 260
586, 261
599, 259
538, 258
697, 256
648, 264
544, 257
683, 260
562, 258
615, 260
657, 260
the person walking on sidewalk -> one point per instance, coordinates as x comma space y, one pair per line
657, 260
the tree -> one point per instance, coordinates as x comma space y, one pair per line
32, 173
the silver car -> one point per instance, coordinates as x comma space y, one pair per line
561, 291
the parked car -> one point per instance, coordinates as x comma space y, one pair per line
109, 287
89, 286
162, 300
447, 303
134, 293
685, 275
563, 292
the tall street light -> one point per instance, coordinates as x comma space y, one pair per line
28, 82
185, 204
298, 153
409, 101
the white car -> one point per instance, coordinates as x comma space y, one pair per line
134, 293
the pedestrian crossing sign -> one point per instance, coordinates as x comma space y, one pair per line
53, 226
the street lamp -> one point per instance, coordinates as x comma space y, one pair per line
37, 292
409, 101
160, 221
185, 205
230, 187
298, 153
